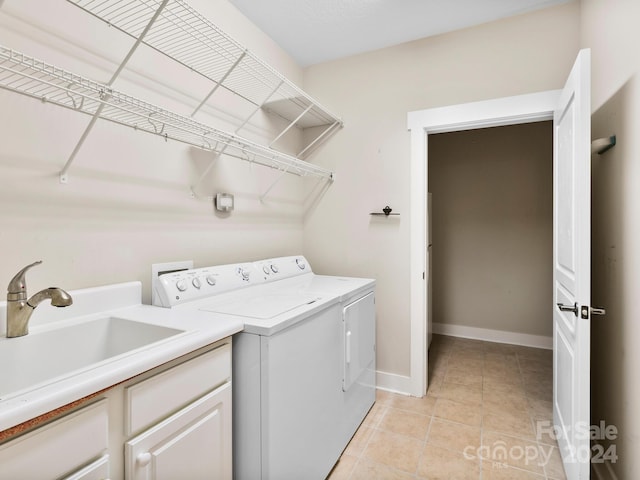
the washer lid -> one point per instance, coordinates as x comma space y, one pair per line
262, 306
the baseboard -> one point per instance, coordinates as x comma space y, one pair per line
393, 383
498, 336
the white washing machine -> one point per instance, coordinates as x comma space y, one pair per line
303, 367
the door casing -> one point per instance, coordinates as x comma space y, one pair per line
519, 109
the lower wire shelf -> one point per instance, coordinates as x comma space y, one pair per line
32, 77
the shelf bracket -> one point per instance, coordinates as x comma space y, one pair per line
326, 131
291, 125
258, 107
220, 82
256, 110
63, 173
64, 178
240, 127
262, 197
213, 161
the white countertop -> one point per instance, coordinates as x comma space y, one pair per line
122, 301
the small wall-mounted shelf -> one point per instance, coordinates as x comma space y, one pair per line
386, 211
35, 78
602, 145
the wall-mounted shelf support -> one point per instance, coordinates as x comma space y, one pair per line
63, 173
330, 128
275, 182
212, 162
290, 125
217, 85
195, 186
64, 178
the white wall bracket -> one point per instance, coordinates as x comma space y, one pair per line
115, 75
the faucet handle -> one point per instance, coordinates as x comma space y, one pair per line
17, 285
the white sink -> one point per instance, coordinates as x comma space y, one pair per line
39, 358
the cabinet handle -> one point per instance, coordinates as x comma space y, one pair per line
348, 349
143, 459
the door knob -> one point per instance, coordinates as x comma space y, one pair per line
586, 311
568, 308
143, 459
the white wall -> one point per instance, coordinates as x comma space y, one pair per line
127, 204
374, 92
492, 228
610, 29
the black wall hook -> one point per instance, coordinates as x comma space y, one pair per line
386, 211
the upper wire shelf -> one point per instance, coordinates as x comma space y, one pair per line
184, 35
35, 78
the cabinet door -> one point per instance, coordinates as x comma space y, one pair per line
194, 443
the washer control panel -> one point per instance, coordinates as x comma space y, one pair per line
177, 287
282, 267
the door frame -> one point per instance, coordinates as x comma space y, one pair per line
534, 107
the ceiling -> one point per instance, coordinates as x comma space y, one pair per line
315, 31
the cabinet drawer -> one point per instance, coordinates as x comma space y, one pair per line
151, 400
98, 470
58, 448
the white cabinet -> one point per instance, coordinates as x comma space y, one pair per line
58, 448
194, 443
172, 422
154, 399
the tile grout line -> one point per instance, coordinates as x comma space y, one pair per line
446, 354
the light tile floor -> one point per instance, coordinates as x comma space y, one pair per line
483, 418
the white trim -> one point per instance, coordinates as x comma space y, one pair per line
489, 113
392, 382
498, 336
532, 107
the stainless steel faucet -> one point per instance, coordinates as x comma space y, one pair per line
19, 309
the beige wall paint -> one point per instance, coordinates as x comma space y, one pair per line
610, 30
492, 219
374, 92
127, 203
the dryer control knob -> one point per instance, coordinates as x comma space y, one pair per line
301, 264
245, 273
182, 285
211, 280
274, 268
266, 269
196, 282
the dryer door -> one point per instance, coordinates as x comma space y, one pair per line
359, 323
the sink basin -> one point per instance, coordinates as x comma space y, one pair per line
41, 357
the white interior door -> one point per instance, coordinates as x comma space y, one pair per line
572, 269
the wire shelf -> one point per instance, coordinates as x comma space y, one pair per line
35, 78
187, 37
